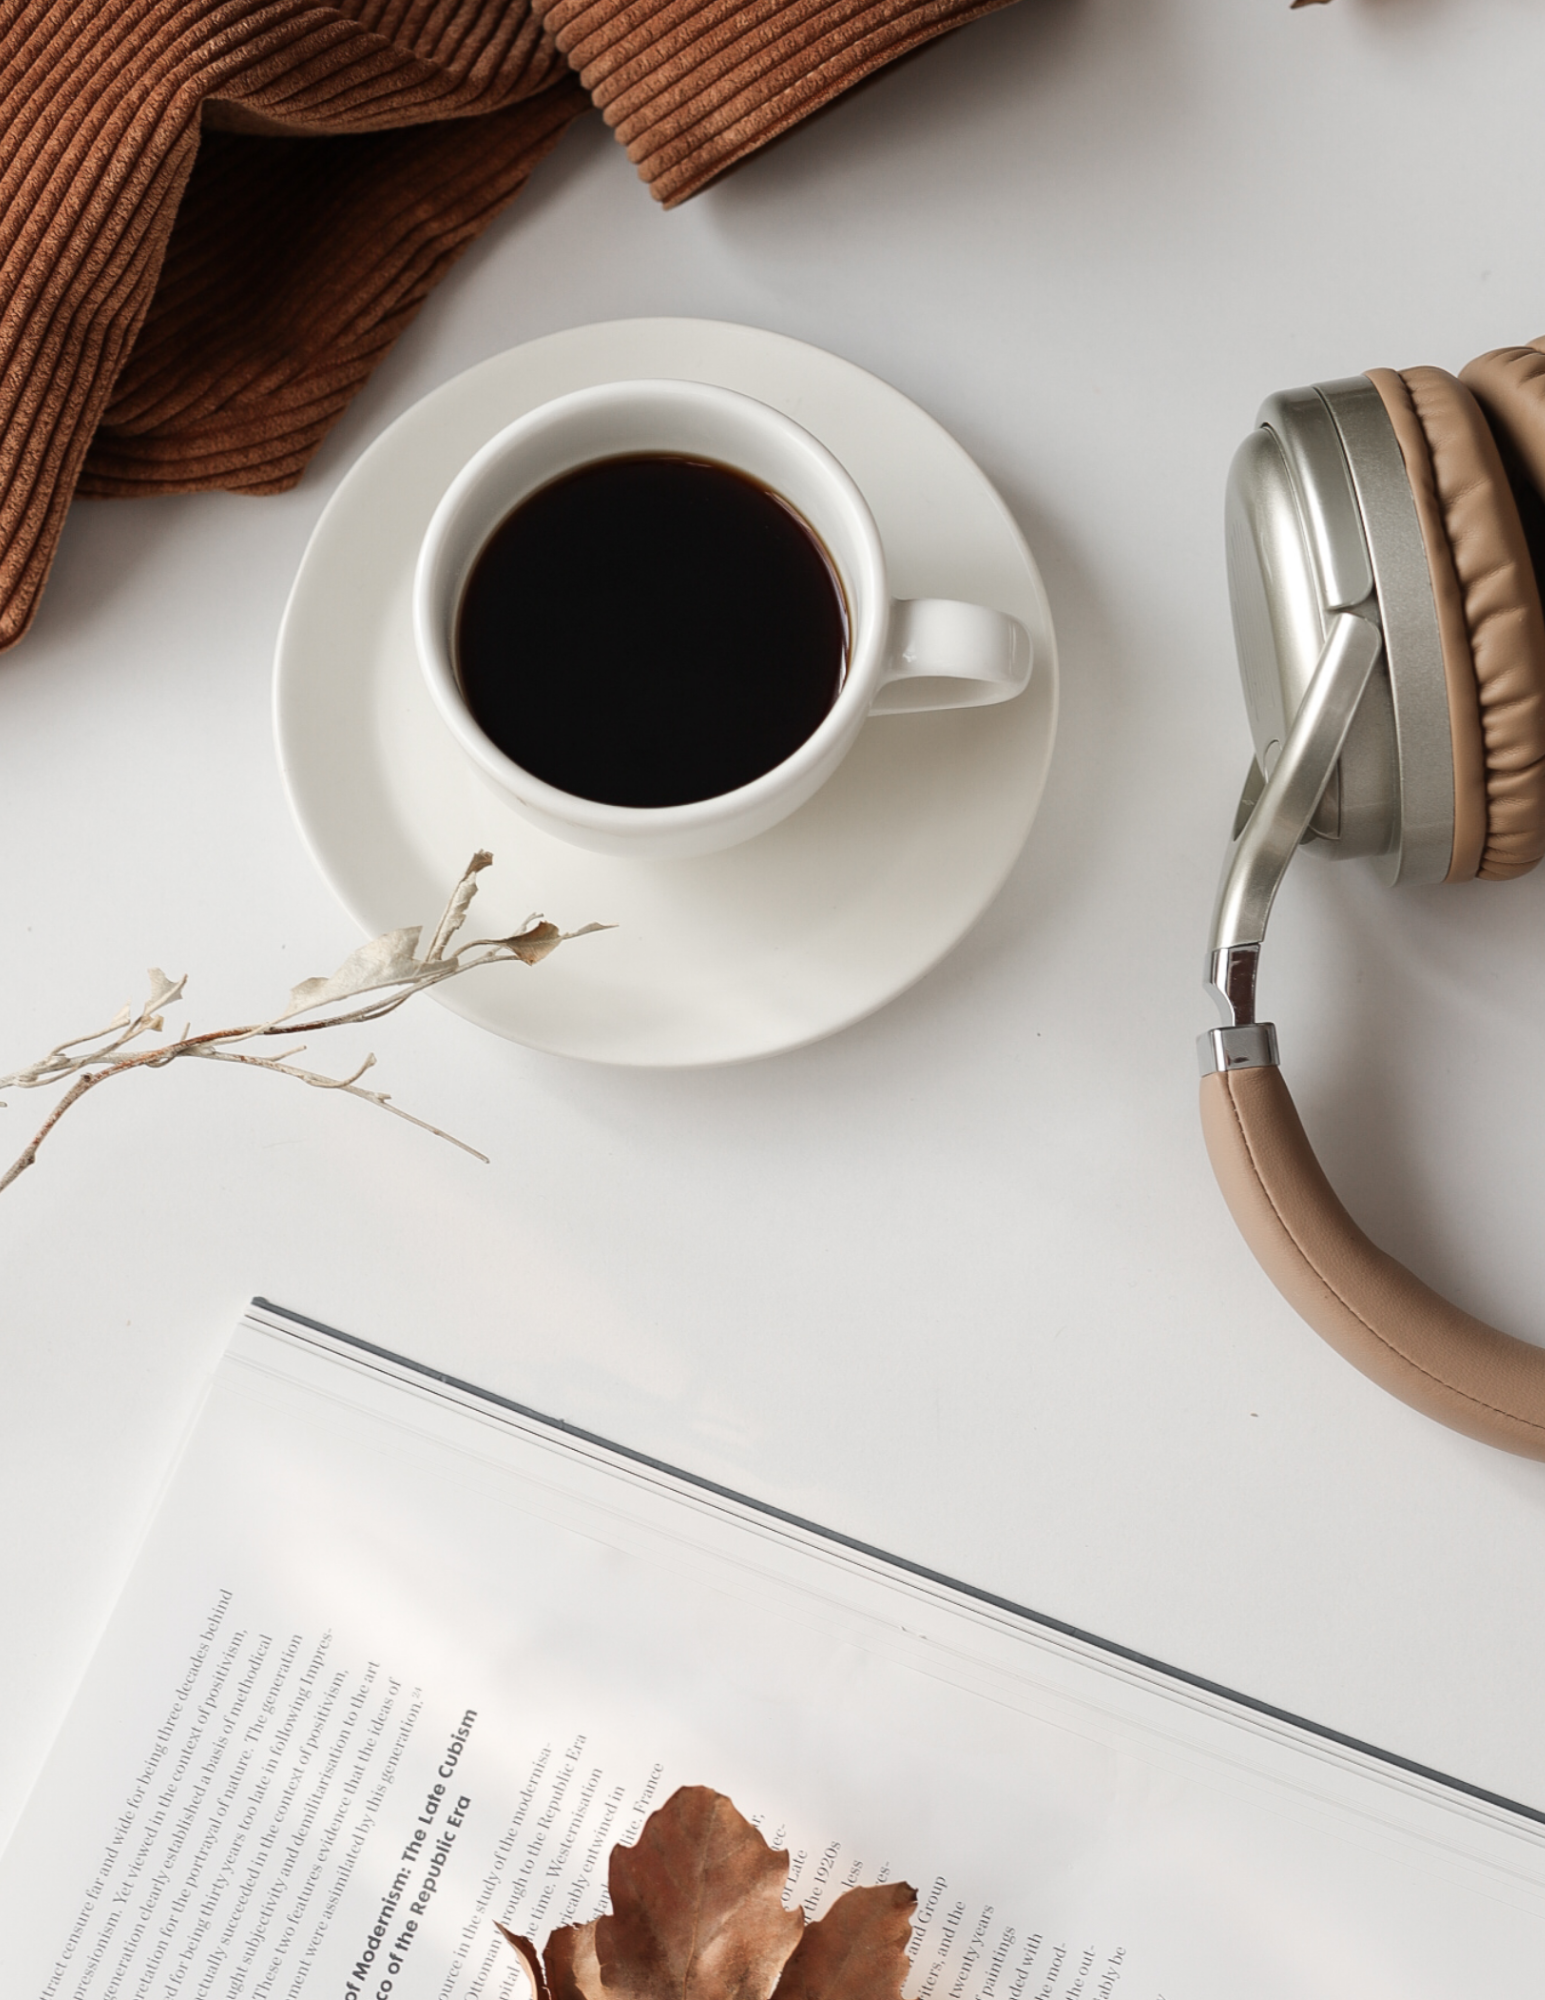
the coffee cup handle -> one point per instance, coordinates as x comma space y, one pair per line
944, 654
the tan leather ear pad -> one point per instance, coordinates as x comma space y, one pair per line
1371, 1309
1509, 385
1489, 618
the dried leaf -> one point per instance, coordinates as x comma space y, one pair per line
527, 1951
532, 946
162, 989
697, 1907
857, 1951
388, 960
573, 1970
697, 1914
534, 943
456, 909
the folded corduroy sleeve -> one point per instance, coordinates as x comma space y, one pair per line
216, 215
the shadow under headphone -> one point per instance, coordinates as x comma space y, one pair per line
1386, 536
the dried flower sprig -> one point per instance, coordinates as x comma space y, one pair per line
388, 968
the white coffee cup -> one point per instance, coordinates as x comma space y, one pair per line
923, 653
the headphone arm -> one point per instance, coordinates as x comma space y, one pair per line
1386, 1322
1259, 854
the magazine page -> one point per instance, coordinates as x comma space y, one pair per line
392, 1665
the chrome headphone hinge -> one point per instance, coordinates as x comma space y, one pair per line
1242, 1042
1250, 1046
1258, 857
1231, 977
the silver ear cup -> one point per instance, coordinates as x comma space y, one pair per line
1342, 663
1319, 521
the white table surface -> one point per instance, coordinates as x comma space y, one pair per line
957, 1281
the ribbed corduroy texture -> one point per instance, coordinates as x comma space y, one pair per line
692, 86
216, 215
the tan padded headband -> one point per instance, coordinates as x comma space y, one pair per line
1489, 619
1372, 1310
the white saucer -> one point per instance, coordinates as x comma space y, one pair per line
760, 948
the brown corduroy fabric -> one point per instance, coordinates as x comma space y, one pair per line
216, 215
691, 86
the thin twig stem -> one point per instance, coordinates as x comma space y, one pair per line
346, 1084
29, 1153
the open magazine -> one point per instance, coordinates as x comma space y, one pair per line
399, 1658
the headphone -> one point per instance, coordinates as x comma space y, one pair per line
1385, 536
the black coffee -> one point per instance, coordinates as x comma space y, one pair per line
648, 631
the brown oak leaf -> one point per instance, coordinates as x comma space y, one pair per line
857, 1951
697, 1907
697, 1914
572, 1971
527, 1950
